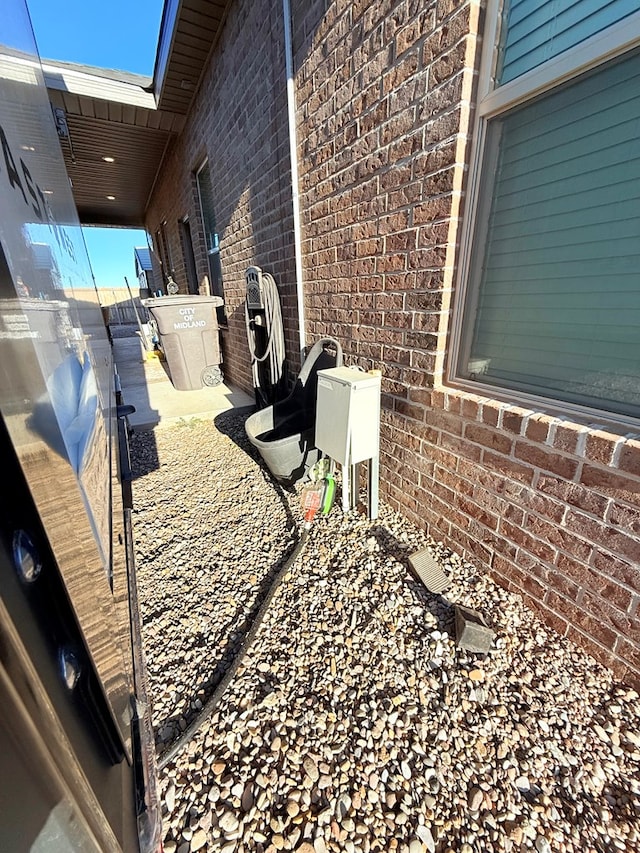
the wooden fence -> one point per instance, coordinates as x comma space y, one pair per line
120, 307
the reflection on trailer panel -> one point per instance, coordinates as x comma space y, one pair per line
76, 749
63, 763
67, 780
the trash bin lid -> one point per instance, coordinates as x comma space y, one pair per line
183, 299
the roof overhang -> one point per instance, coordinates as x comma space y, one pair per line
188, 31
115, 127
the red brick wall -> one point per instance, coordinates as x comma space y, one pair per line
548, 506
384, 93
239, 121
384, 104
551, 507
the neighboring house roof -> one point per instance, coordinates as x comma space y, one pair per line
128, 118
143, 258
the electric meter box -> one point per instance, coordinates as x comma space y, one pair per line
348, 415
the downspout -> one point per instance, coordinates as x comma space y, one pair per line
293, 153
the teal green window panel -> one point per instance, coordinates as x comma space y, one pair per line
537, 30
556, 305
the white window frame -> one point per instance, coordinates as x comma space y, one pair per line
493, 101
164, 251
213, 252
216, 249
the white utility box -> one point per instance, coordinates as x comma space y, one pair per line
348, 426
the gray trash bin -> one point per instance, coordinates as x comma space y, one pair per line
188, 331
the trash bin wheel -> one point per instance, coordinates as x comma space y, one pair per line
212, 376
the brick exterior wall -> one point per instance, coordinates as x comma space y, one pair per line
239, 122
384, 89
549, 506
384, 98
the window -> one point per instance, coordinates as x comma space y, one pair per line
205, 195
164, 253
552, 297
188, 256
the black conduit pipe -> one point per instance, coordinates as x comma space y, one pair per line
209, 707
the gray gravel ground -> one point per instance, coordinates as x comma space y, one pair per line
354, 723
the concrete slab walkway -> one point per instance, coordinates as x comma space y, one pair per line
146, 385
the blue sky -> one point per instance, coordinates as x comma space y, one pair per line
111, 254
120, 34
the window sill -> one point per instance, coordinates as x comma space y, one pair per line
504, 398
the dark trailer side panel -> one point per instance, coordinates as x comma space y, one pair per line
75, 772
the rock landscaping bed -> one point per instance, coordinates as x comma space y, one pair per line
355, 723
